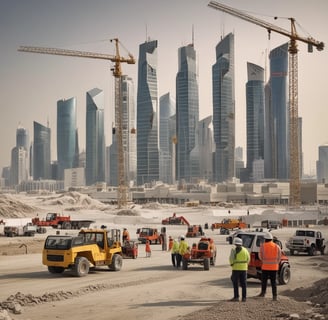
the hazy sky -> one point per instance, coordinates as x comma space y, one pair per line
31, 84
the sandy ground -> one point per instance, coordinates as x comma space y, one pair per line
149, 288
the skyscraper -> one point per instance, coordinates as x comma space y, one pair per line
66, 135
129, 129
95, 137
187, 115
206, 145
41, 152
167, 110
322, 164
223, 74
147, 114
254, 116
279, 116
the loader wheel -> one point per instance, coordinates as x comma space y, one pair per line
56, 269
81, 267
284, 274
117, 262
66, 225
206, 264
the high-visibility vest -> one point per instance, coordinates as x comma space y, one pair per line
239, 261
183, 247
270, 254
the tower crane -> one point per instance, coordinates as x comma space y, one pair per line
117, 73
294, 186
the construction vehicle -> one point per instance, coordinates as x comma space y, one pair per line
203, 253
306, 240
229, 224
28, 230
194, 231
130, 249
117, 73
295, 189
252, 240
150, 234
175, 220
90, 249
58, 221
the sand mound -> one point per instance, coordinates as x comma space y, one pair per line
11, 207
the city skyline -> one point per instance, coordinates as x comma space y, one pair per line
31, 84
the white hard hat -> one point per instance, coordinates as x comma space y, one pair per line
237, 241
268, 236
182, 237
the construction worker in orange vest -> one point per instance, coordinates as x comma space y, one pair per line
270, 254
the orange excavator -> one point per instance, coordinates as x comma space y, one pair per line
176, 220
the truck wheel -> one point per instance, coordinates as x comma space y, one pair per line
284, 274
56, 269
311, 250
81, 267
117, 262
206, 264
184, 264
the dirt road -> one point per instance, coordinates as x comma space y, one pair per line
145, 288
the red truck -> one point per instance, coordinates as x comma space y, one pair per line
58, 221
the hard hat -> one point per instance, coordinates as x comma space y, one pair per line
182, 237
268, 236
237, 241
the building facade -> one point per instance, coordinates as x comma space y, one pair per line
41, 152
95, 137
167, 110
279, 115
206, 149
322, 164
147, 114
254, 118
66, 135
187, 116
223, 88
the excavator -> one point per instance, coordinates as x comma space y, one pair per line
175, 220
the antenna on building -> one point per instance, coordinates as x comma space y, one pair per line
192, 35
47, 121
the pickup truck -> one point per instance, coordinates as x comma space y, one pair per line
306, 240
14, 231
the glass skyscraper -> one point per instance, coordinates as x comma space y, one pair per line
66, 135
254, 116
95, 137
223, 74
206, 144
167, 110
187, 116
322, 164
41, 152
147, 115
279, 113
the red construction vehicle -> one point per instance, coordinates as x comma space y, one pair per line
175, 220
203, 253
61, 222
150, 234
194, 231
130, 249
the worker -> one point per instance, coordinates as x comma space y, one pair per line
183, 246
126, 235
148, 249
270, 255
170, 243
239, 259
174, 252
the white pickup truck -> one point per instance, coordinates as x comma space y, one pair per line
14, 231
306, 240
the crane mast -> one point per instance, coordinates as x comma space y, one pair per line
117, 73
294, 186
